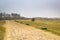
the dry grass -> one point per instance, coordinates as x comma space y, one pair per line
2, 30
51, 25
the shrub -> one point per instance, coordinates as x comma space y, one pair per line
33, 19
27, 24
43, 28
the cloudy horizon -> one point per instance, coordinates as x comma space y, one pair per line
32, 8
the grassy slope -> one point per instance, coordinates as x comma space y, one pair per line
2, 30
53, 26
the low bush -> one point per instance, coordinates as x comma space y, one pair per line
27, 24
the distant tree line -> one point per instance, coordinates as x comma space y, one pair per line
6, 16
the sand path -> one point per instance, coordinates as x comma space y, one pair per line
16, 31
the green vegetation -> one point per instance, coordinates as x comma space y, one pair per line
51, 25
2, 30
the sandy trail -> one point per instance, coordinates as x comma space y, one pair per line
16, 31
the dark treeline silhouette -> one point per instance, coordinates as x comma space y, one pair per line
6, 16
15, 16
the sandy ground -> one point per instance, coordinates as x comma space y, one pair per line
16, 31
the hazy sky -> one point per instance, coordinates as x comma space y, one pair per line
32, 8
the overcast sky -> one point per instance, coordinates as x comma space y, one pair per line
32, 8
